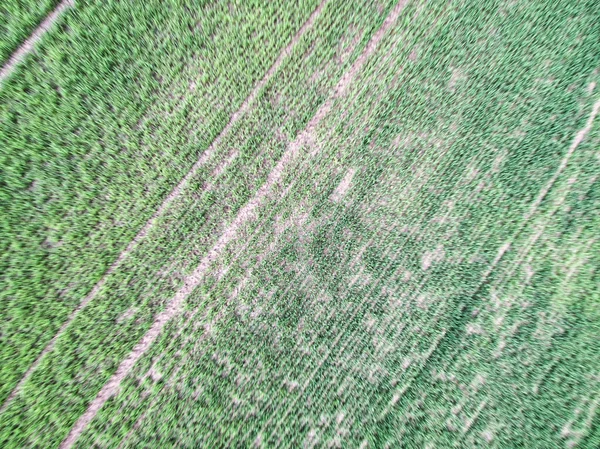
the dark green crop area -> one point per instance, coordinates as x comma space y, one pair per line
393, 245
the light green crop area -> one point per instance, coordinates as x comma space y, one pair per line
393, 244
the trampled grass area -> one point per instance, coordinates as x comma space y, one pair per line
394, 244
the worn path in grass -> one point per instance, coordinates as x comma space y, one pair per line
22, 24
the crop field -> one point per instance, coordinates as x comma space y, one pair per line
311, 223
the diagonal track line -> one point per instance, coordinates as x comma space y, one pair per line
27, 47
175, 193
563, 163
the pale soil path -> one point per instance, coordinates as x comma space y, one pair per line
175, 193
246, 213
563, 163
26, 47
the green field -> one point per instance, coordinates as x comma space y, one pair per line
301, 224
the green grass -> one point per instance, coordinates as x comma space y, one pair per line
384, 316
18, 18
